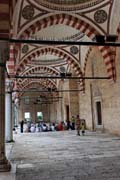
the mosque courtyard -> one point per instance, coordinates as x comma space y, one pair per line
64, 156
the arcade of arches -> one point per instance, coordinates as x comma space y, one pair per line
96, 100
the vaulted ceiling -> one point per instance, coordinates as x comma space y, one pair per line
74, 20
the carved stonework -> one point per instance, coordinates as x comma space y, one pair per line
100, 16
8, 86
4, 165
68, 5
28, 12
74, 50
25, 49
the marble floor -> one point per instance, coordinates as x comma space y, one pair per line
64, 156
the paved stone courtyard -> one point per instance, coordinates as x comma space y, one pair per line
65, 156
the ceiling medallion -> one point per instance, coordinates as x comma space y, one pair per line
28, 12
74, 50
100, 16
25, 49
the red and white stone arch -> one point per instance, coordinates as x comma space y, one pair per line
74, 64
108, 54
53, 51
55, 19
35, 84
36, 69
27, 83
78, 24
86, 59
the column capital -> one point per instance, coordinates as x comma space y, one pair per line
9, 84
5, 165
17, 102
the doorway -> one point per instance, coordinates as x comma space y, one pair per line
98, 113
67, 113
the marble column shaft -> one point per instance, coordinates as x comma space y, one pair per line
8, 116
4, 164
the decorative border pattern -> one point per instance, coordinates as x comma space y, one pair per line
67, 7
29, 83
51, 51
77, 24
65, 19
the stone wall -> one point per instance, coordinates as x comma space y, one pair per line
102, 90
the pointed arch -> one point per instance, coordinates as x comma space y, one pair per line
53, 51
78, 24
27, 83
65, 19
40, 68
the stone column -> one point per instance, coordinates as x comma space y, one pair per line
13, 115
59, 110
62, 105
4, 164
16, 106
16, 115
8, 111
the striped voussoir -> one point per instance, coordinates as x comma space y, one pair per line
82, 81
60, 19
82, 27
108, 54
51, 51
86, 59
6, 13
39, 69
11, 63
45, 84
79, 73
77, 24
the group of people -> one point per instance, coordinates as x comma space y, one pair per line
74, 123
36, 127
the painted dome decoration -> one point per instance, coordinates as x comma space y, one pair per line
25, 49
28, 12
74, 50
100, 16
68, 4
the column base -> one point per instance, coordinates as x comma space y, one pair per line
10, 141
4, 165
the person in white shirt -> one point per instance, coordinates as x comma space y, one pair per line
32, 129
